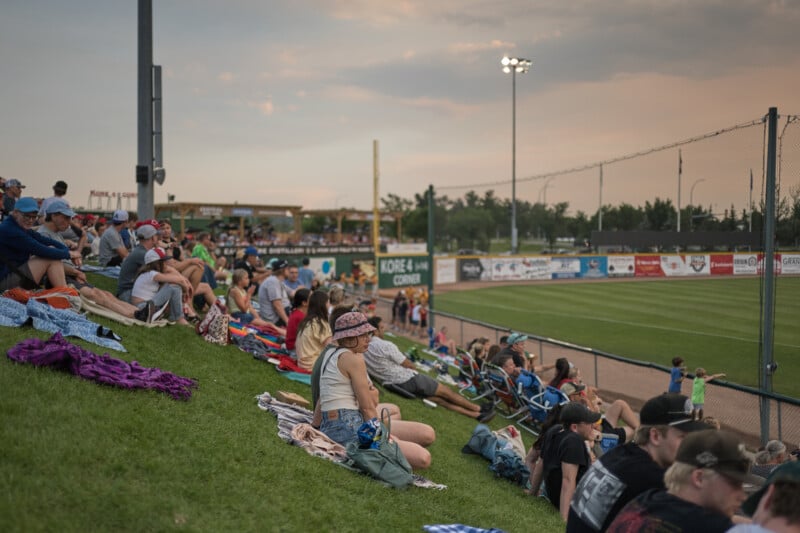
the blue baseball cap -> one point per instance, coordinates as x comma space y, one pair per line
514, 338
60, 206
26, 205
250, 250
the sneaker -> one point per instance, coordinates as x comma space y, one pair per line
160, 312
487, 416
145, 314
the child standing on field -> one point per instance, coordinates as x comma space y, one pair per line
676, 375
699, 391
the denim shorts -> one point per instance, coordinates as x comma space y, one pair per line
344, 428
244, 318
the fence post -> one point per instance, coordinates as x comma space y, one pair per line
596, 378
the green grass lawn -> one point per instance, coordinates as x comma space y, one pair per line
712, 323
83, 457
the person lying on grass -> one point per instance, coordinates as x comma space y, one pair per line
387, 363
344, 397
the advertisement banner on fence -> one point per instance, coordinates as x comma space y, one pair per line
323, 267
445, 270
565, 267
506, 269
777, 263
621, 266
697, 264
594, 267
403, 271
536, 268
648, 266
745, 264
672, 265
474, 269
721, 264
790, 263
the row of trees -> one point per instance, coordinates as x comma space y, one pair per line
472, 221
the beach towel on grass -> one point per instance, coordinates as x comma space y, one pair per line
45, 318
290, 416
56, 352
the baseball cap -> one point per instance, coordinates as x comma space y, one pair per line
26, 205
13, 182
146, 231
59, 206
250, 250
576, 412
718, 450
570, 388
149, 222
789, 471
278, 264
514, 338
670, 409
119, 216
153, 255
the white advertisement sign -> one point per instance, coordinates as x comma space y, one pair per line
504, 269
621, 266
745, 264
790, 263
536, 268
445, 270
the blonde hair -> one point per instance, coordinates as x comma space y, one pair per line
678, 475
238, 275
700, 372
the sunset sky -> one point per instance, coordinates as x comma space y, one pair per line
279, 102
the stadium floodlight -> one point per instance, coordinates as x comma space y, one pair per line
514, 65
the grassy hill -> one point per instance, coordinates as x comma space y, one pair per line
78, 456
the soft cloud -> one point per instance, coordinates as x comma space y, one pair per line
226, 77
496, 44
266, 107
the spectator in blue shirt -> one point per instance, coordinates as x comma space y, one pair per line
676, 375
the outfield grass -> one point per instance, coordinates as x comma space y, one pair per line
77, 456
712, 323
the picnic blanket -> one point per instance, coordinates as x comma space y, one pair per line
315, 442
60, 354
45, 318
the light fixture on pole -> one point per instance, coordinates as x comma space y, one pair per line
514, 65
691, 200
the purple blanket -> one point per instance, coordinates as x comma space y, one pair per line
62, 355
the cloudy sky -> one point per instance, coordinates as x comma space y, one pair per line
278, 102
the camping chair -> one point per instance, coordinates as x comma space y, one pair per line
541, 404
505, 393
474, 376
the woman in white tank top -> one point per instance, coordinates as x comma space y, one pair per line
347, 396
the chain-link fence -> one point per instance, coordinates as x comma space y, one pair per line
735, 406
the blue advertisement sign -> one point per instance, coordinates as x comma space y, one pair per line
595, 266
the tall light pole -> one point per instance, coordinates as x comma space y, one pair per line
514, 65
691, 200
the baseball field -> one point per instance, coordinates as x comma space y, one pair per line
713, 323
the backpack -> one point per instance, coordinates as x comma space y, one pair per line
214, 327
381, 459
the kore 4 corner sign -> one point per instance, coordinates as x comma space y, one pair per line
403, 271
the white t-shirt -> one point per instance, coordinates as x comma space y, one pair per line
145, 286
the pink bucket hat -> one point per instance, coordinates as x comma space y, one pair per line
351, 324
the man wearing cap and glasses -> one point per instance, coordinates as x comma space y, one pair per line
564, 457
626, 471
775, 507
704, 488
18, 243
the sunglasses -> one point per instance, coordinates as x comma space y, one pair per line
30, 216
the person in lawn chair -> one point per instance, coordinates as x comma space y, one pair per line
387, 363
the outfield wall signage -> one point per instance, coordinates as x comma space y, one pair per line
446, 271
790, 263
594, 267
721, 265
565, 267
648, 266
403, 271
621, 266
474, 269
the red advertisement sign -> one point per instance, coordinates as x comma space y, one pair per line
648, 266
721, 264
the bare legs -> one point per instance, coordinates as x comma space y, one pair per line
52, 267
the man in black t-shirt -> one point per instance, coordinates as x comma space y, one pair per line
626, 471
704, 488
252, 264
565, 458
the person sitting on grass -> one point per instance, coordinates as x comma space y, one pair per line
314, 331
57, 217
701, 377
442, 343
25, 255
156, 284
299, 309
240, 307
387, 363
344, 396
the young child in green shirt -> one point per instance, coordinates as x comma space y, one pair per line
699, 391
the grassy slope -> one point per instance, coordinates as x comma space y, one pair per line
711, 323
82, 457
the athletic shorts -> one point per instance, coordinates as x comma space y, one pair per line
15, 280
420, 385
